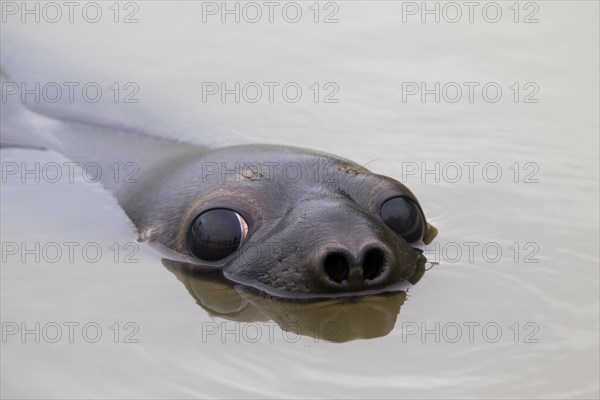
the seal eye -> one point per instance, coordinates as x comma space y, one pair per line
216, 233
403, 217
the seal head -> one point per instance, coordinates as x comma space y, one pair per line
289, 221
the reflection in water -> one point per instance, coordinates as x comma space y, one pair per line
335, 320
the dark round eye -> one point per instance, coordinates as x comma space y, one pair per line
403, 216
216, 233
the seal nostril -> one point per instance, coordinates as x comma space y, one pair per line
336, 266
373, 264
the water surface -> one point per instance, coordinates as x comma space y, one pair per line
522, 323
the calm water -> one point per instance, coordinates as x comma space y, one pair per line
511, 310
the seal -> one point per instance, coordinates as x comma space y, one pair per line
286, 220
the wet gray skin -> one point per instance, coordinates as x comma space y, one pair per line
313, 219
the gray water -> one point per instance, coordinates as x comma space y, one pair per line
518, 317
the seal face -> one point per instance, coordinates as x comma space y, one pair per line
288, 221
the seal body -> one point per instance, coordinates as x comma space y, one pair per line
314, 222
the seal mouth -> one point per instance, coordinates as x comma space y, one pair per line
337, 275
342, 279
261, 288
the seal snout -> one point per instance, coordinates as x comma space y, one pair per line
340, 266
